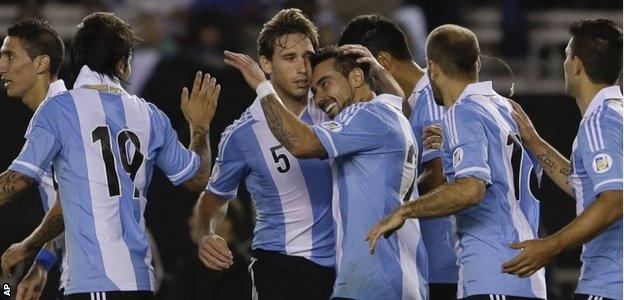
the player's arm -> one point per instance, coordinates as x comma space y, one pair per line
382, 78
444, 200
290, 131
602, 213
556, 165
432, 175
199, 108
51, 226
12, 183
209, 212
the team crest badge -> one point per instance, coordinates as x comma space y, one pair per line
333, 126
602, 163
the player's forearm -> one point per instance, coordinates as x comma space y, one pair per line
431, 177
446, 199
289, 130
556, 166
210, 211
51, 226
200, 144
11, 184
598, 216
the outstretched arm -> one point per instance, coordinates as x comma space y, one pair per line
598, 216
556, 165
199, 108
444, 200
11, 184
290, 131
209, 212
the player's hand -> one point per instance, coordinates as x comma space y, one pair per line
199, 107
385, 227
534, 256
525, 126
214, 252
15, 254
33, 283
432, 137
365, 56
247, 66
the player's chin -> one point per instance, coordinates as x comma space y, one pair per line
299, 91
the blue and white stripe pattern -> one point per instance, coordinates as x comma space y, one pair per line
477, 130
103, 202
292, 196
597, 167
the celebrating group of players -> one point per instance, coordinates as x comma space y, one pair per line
343, 145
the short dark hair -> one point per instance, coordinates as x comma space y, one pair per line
286, 21
377, 34
39, 38
344, 63
598, 43
456, 49
101, 42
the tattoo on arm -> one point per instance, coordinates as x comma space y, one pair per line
557, 167
12, 183
290, 131
200, 144
51, 226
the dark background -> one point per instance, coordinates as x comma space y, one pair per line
191, 37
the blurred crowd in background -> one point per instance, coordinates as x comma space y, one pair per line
180, 37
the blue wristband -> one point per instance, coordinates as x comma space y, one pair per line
46, 258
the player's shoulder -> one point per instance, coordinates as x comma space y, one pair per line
352, 110
237, 127
607, 117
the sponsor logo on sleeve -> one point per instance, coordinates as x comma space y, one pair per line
333, 126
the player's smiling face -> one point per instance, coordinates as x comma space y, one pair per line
332, 91
17, 69
289, 67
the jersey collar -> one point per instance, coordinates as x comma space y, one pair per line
392, 100
610, 92
91, 78
422, 83
478, 88
55, 88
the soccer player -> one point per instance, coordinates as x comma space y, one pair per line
484, 163
103, 144
293, 246
388, 44
592, 67
373, 157
30, 58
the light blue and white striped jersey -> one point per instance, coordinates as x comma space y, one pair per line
47, 191
481, 141
103, 146
437, 233
374, 163
292, 196
597, 164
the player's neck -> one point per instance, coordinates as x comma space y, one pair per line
586, 93
36, 94
294, 105
407, 76
452, 90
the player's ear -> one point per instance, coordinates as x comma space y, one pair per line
356, 77
478, 64
384, 59
577, 66
42, 63
433, 69
266, 65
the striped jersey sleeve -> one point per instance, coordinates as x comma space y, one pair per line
601, 148
429, 114
354, 130
468, 144
176, 161
231, 166
42, 141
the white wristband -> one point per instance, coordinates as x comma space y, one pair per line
264, 89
